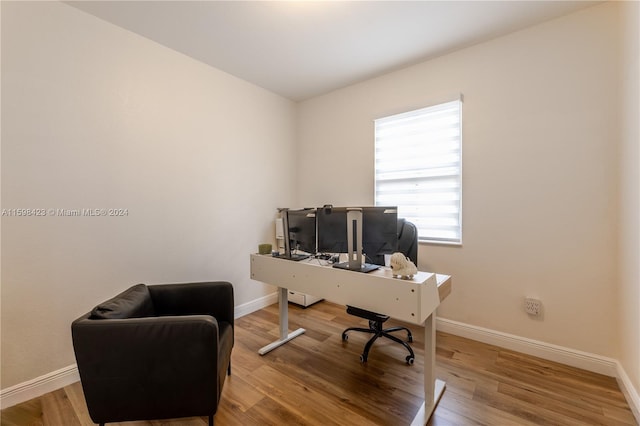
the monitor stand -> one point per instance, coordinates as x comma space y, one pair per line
354, 244
295, 256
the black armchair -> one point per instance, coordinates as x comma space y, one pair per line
408, 245
156, 352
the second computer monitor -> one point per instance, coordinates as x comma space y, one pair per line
302, 230
332, 229
379, 231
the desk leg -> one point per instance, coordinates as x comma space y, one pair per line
285, 336
433, 388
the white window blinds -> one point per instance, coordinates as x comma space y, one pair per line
418, 168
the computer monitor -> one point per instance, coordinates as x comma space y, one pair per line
379, 233
301, 230
332, 229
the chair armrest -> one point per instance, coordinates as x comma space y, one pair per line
125, 347
204, 298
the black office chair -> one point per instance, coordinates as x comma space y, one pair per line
408, 245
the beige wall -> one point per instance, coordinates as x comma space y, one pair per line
96, 117
540, 136
629, 296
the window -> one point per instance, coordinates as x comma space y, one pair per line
418, 167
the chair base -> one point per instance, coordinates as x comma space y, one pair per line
375, 328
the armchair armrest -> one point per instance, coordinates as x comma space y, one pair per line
138, 364
204, 298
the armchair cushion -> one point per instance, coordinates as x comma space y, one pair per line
134, 302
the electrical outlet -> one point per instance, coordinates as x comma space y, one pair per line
532, 306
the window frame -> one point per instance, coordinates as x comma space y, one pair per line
455, 177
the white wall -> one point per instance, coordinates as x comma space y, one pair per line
94, 116
629, 296
540, 138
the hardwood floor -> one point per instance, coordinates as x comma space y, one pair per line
317, 379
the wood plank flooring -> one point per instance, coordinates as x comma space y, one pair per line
317, 379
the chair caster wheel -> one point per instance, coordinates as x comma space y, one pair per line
409, 360
345, 337
363, 358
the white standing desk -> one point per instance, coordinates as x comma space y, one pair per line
413, 301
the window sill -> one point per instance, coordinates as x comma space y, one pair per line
441, 243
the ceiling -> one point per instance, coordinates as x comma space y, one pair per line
301, 49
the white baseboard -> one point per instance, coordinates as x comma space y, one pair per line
548, 351
630, 393
255, 305
39, 386
572, 357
